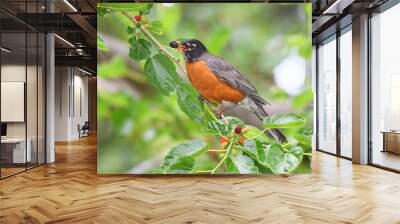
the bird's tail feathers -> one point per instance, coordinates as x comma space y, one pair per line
258, 108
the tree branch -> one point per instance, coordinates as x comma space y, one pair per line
155, 42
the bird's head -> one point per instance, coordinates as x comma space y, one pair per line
192, 49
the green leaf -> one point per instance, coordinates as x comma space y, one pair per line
297, 151
283, 121
217, 128
133, 7
252, 149
131, 30
303, 100
308, 8
262, 168
182, 165
170, 16
252, 153
100, 43
101, 11
189, 103
233, 122
257, 151
218, 39
304, 138
283, 162
261, 152
304, 141
303, 167
156, 170
156, 27
140, 49
220, 128
243, 164
190, 148
302, 42
254, 132
305, 131
116, 67
161, 73
146, 11
251, 146
208, 114
230, 166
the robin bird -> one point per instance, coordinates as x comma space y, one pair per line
218, 81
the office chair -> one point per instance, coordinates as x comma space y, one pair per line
84, 130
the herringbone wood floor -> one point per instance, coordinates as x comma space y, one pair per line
70, 191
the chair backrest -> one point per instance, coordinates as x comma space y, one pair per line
86, 124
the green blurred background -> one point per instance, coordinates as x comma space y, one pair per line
269, 43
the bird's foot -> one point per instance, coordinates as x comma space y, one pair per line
220, 115
202, 98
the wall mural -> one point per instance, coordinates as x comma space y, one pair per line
204, 88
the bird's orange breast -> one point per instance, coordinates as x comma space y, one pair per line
209, 85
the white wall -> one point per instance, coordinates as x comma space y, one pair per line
71, 102
33, 126
12, 73
80, 110
62, 81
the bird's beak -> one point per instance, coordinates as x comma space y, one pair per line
177, 45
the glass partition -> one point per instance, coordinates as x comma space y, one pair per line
31, 99
346, 93
327, 96
41, 91
14, 153
385, 89
22, 99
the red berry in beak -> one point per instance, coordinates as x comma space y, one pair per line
138, 18
238, 130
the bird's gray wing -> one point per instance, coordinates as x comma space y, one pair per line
232, 77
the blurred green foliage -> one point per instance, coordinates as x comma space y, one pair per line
137, 130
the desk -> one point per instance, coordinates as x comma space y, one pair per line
391, 141
17, 150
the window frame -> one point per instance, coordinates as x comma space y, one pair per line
334, 37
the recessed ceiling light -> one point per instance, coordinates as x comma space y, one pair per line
5, 49
64, 40
337, 7
70, 5
84, 71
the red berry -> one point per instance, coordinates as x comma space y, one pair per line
238, 130
138, 18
